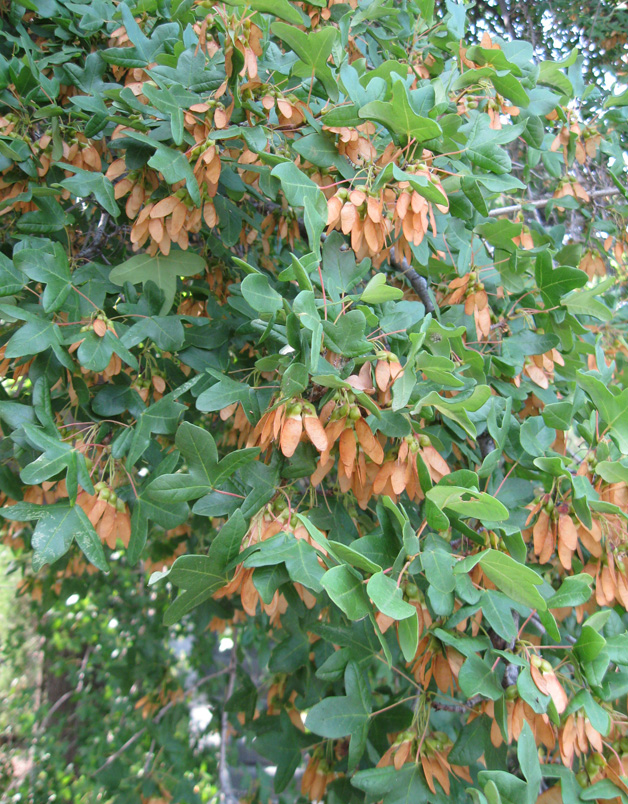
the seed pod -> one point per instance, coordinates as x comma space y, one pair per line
291, 435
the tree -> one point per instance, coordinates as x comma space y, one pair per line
313, 359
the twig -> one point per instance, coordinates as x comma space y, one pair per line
56, 705
227, 795
66, 695
543, 202
446, 707
135, 737
149, 757
503, 7
418, 282
97, 237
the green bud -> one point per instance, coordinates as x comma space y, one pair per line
412, 591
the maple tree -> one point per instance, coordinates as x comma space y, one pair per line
312, 348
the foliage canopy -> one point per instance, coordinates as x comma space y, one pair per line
313, 313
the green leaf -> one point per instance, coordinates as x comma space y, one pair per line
472, 741
165, 515
602, 790
574, 591
89, 541
226, 546
205, 471
535, 437
346, 589
87, 182
352, 556
378, 292
49, 267
232, 462
468, 503
399, 117
197, 573
489, 156
225, 392
295, 184
315, 220
515, 580
11, 280
336, 717
278, 8
617, 100
477, 677
405, 786
388, 597
585, 302
185, 602
438, 568
318, 148
161, 270
166, 331
162, 417
32, 338
497, 610
202, 576
172, 164
612, 471
166, 101
456, 409
346, 336
95, 352
55, 532
408, 632
528, 756
294, 380
23, 511
589, 644
314, 50
303, 565
554, 283
613, 408
257, 291
550, 72
471, 188
599, 717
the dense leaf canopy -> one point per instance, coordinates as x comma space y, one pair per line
313, 362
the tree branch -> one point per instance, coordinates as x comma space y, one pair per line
418, 282
60, 701
135, 737
503, 6
543, 202
227, 794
